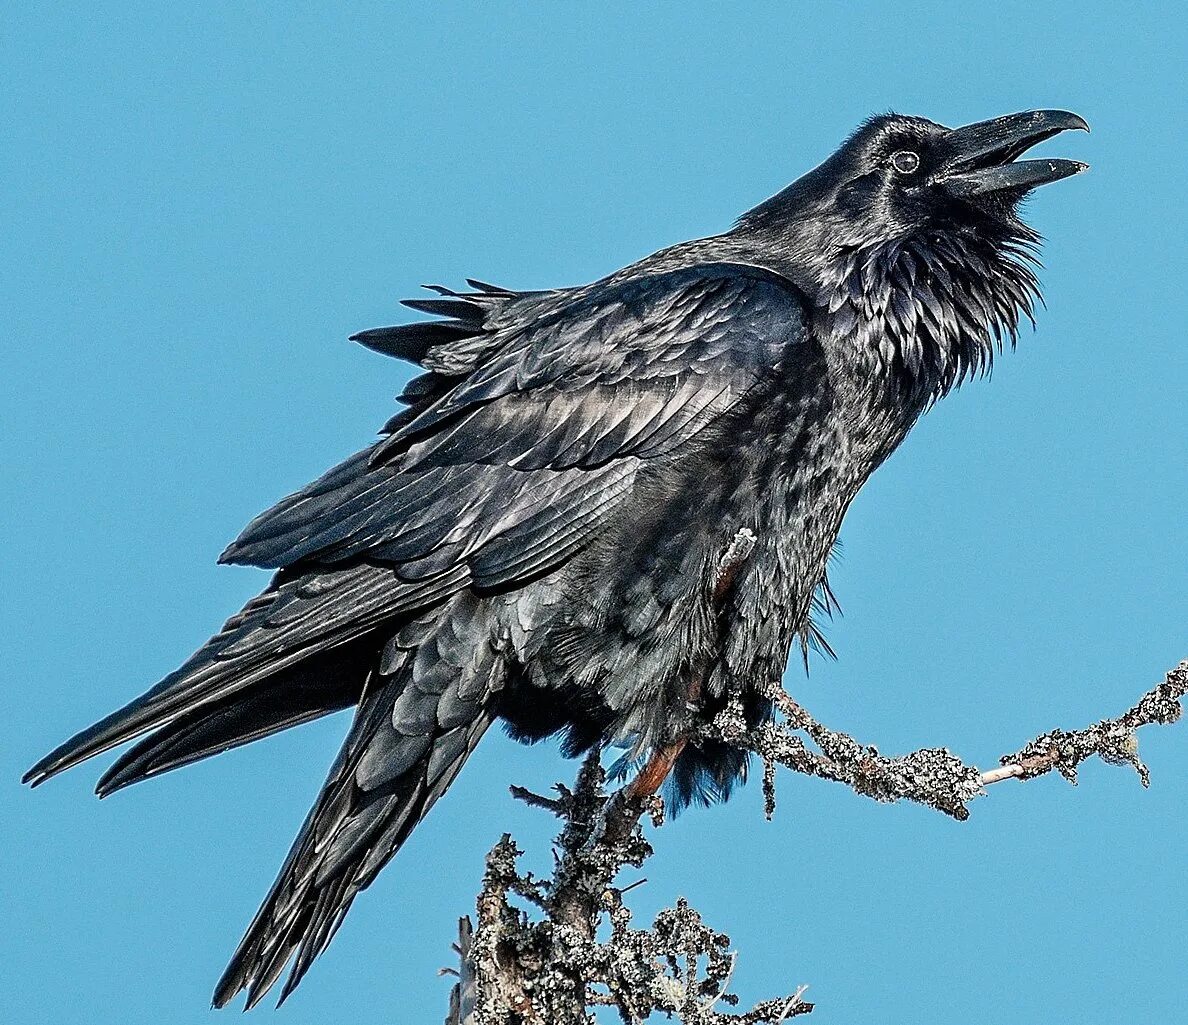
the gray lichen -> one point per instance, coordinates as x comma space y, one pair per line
935, 776
535, 955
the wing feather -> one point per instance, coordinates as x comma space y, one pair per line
560, 411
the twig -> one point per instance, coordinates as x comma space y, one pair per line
465, 992
537, 800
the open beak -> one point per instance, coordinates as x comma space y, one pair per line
981, 156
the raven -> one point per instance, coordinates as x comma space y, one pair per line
538, 536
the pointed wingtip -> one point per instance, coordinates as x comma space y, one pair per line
485, 286
247, 553
221, 1000
260, 985
111, 782
302, 965
45, 768
237, 978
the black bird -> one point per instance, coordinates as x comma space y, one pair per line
538, 536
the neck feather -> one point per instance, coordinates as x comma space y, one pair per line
933, 309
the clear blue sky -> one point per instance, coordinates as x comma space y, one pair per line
199, 207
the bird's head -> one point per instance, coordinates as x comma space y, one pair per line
910, 235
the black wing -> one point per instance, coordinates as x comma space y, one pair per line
526, 438
522, 440
507, 469
503, 475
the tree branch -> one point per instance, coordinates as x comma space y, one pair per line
548, 966
934, 776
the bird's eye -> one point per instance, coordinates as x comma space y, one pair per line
905, 161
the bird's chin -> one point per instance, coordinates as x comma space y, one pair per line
982, 165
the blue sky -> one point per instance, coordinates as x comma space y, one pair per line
199, 207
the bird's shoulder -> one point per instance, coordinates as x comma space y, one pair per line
533, 436
664, 317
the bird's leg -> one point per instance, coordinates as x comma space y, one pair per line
652, 776
620, 816
639, 792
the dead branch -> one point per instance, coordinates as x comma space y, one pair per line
541, 960
934, 776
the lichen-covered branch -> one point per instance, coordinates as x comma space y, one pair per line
536, 955
934, 776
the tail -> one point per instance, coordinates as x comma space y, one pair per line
304, 648
426, 707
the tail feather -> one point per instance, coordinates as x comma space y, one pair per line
308, 646
408, 742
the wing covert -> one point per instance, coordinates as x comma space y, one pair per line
512, 465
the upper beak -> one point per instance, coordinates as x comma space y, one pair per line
981, 156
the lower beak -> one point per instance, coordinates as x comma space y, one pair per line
981, 157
